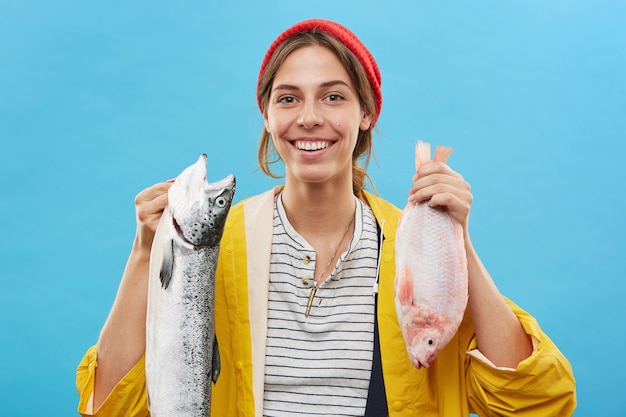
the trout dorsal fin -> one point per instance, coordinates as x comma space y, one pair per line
167, 265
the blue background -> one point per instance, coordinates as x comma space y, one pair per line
99, 100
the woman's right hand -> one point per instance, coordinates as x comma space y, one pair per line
149, 206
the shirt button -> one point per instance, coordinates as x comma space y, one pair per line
306, 281
239, 365
306, 259
397, 405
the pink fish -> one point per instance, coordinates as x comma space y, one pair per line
431, 273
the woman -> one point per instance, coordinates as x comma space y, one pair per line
300, 332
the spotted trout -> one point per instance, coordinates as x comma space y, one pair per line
431, 273
182, 356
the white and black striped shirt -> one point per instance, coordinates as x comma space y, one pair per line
320, 365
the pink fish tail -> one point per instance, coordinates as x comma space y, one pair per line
422, 154
442, 153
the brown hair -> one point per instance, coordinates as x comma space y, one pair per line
364, 146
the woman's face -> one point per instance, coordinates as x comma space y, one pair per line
314, 116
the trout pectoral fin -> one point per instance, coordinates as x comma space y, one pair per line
167, 265
215, 361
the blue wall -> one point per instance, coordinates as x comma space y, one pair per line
98, 100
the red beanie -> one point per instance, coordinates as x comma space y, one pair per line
343, 35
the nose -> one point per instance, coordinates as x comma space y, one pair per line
310, 116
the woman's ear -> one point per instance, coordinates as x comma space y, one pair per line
266, 122
366, 121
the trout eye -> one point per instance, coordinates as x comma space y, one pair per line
220, 202
430, 342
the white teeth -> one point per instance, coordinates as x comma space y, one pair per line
311, 146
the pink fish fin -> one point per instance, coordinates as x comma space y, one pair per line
442, 153
404, 290
422, 154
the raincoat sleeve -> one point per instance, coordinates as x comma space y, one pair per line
128, 397
542, 385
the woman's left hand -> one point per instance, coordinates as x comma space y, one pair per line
441, 186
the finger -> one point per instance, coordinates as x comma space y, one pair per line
448, 200
436, 167
149, 209
153, 191
150, 203
421, 193
436, 183
434, 174
157, 204
453, 199
457, 207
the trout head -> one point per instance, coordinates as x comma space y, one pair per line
424, 335
200, 208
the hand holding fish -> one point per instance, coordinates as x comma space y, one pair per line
447, 271
441, 186
499, 334
149, 206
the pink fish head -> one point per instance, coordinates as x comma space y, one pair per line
424, 335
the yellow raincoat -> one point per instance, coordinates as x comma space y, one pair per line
460, 380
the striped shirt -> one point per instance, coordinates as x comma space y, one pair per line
320, 365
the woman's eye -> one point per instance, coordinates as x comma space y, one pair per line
286, 100
334, 97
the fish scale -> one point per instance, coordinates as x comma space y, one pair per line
182, 356
431, 274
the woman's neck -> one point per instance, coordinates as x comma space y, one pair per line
321, 209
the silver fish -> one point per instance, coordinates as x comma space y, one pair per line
182, 357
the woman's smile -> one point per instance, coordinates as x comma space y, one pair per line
311, 146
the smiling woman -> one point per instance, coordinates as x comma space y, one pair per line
304, 306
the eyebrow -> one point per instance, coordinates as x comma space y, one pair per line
323, 85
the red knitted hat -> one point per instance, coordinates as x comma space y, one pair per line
343, 35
